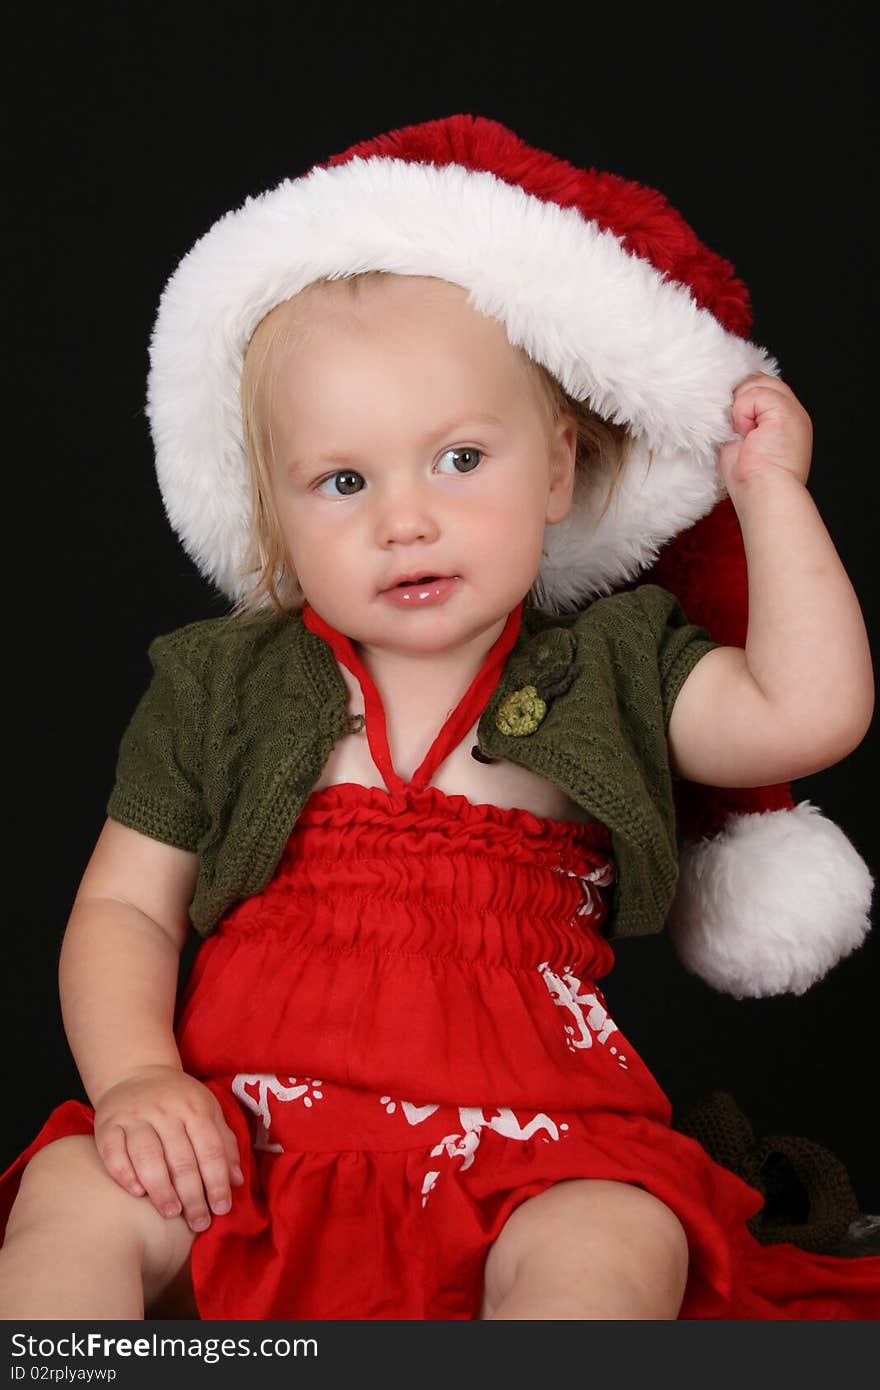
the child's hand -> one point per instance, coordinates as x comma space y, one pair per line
776, 432
161, 1132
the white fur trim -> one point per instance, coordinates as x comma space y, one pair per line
611, 328
771, 903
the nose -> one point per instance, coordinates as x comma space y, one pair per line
406, 513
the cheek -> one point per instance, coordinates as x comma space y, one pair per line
517, 512
317, 545
295, 536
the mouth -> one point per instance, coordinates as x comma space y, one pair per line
413, 581
420, 591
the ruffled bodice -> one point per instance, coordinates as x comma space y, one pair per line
391, 940
438, 876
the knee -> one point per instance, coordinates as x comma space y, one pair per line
665, 1247
65, 1186
65, 1191
579, 1228
60, 1174
67, 1201
639, 1236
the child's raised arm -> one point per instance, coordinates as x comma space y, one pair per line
158, 1131
800, 696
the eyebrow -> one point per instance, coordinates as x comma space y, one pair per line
457, 421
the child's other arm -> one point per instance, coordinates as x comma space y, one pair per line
158, 1131
800, 696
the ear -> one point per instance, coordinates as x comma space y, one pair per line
563, 453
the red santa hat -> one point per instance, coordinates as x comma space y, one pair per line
599, 279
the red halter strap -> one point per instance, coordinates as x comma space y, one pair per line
460, 720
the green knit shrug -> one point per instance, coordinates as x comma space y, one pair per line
239, 718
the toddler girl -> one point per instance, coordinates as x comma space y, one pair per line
410, 787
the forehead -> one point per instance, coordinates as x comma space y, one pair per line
361, 298
409, 313
383, 347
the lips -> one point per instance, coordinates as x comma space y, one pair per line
422, 592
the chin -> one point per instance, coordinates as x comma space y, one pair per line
422, 633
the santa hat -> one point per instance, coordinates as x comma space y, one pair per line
601, 281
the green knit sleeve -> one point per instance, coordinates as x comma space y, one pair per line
157, 783
679, 643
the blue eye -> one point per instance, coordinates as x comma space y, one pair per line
343, 484
467, 460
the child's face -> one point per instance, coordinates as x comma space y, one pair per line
386, 465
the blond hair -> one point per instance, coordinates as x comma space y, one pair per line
270, 583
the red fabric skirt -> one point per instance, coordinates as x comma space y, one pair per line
406, 1034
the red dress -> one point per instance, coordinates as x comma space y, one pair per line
405, 1033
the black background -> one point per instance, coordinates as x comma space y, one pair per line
140, 125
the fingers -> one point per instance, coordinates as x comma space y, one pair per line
773, 433
758, 386
761, 384
168, 1171
187, 1170
760, 395
231, 1146
757, 380
764, 379
111, 1145
212, 1173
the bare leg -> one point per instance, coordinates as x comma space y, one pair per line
78, 1246
588, 1248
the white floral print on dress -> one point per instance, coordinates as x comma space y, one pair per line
564, 991
473, 1120
414, 1113
308, 1091
600, 877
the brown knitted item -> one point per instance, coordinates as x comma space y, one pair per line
808, 1198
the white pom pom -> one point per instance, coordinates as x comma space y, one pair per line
770, 904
